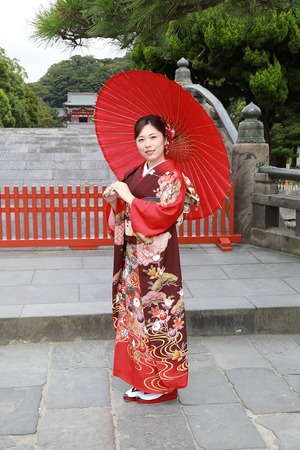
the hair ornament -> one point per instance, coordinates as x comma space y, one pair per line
170, 133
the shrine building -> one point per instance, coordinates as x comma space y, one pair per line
80, 106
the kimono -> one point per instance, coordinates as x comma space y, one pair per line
148, 304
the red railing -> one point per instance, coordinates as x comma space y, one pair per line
75, 217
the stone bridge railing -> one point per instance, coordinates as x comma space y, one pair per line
272, 208
260, 207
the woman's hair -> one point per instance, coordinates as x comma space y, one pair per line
156, 121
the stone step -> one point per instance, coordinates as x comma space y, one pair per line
221, 322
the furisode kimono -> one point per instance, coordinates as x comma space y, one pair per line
148, 304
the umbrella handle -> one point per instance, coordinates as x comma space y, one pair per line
108, 191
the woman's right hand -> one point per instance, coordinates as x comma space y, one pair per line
110, 195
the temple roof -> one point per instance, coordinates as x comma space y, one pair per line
81, 99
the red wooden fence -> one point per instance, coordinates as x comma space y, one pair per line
75, 217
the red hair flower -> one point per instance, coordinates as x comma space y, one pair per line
170, 133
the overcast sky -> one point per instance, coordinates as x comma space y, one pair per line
36, 60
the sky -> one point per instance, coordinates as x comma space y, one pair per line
15, 30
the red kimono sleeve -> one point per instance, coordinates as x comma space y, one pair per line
108, 210
150, 218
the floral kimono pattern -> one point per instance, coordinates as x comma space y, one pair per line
148, 303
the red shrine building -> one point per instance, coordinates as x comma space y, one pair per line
80, 106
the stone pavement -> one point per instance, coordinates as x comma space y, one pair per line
243, 393
56, 385
60, 294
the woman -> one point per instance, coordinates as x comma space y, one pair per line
148, 304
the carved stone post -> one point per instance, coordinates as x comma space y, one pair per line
248, 154
183, 73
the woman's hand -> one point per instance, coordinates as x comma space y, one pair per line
110, 195
123, 191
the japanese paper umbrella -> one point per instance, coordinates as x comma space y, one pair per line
197, 147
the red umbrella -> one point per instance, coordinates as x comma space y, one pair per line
197, 147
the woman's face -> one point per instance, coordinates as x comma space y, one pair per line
151, 145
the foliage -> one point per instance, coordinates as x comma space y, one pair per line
25, 105
285, 155
6, 117
78, 74
74, 21
19, 105
285, 136
240, 50
237, 55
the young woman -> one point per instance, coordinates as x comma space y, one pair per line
148, 304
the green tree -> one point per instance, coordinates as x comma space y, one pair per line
78, 74
74, 21
237, 55
6, 118
241, 51
19, 105
285, 136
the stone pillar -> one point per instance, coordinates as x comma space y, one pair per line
183, 73
248, 154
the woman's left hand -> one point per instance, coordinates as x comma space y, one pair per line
123, 191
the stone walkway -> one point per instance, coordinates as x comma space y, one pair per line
243, 393
60, 294
56, 385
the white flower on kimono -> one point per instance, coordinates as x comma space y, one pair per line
136, 302
168, 303
160, 270
156, 326
181, 292
124, 332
